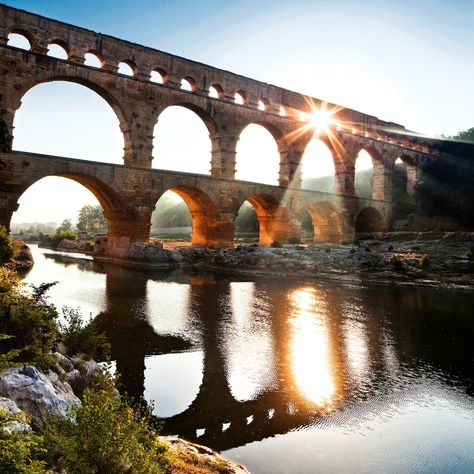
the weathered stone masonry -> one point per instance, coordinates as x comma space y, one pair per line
128, 193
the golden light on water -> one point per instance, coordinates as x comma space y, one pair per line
310, 349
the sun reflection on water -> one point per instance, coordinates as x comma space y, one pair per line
311, 348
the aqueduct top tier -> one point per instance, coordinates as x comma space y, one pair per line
138, 101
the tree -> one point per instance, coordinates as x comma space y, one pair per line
91, 218
66, 224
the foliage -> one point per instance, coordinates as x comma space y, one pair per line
276, 244
170, 213
91, 218
397, 263
106, 436
466, 135
66, 225
246, 220
80, 336
34, 228
20, 453
403, 203
7, 248
61, 235
29, 320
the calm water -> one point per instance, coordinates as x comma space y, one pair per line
287, 376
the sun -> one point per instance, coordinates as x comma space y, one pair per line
320, 119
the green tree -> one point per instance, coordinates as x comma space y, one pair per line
66, 224
7, 247
91, 218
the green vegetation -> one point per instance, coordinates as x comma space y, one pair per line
81, 337
91, 219
447, 187
61, 235
7, 247
170, 213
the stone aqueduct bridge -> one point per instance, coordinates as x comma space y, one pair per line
128, 193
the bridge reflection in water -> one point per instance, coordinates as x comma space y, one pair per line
276, 355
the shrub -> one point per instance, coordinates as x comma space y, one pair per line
276, 244
28, 323
425, 261
7, 249
61, 235
106, 436
81, 336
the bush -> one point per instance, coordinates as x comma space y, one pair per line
61, 235
276, 244
106, 436
425, 261
28, 323
80, 336
397, 263
7, 248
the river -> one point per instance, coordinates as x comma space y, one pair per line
287, 376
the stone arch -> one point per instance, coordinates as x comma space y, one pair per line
369, 220
26, 34
216, 91
204, 214
203, 118
131, 64
100, 57
266, 144
412, 172
273, 218
323, 170
161, 73
104, 94
327, 222
62, 44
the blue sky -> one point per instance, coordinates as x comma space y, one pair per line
406, 62
409, 62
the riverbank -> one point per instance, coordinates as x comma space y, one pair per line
433, 259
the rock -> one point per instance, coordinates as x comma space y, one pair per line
64, 362
19, 425
24, 259
38, 395
203, 453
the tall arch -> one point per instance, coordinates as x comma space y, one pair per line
203, 214
318, 167
84, 112
182, 139
364, 166
273, 219
258, 157
369, 220
328, 226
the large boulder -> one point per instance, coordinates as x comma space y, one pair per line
40, 396
24, 258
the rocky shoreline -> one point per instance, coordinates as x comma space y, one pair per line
433, 259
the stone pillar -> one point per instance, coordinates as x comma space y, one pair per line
345, 177
127, 226
294, 156
8, 205
382, 181
224, 151
138, 137
413, 175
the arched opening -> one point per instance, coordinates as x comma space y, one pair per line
257, 157
317, 167
43, 207
19, 40
403, 203
188, 84
201, 209
369, 220
182, 140
364, 172
326, 223
158, 76
67, 119
240, 98
58, 50
216, 91
272, 218
93, 60
307, 228
127, 68
171, 221
282, 111
246, 225
263, 105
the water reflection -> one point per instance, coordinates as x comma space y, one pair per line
230, 363
310, 347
